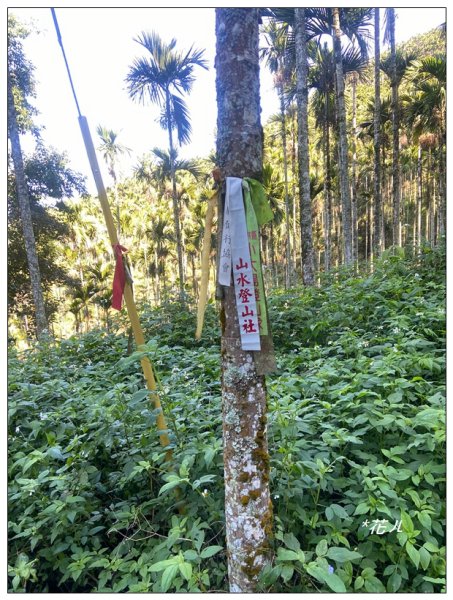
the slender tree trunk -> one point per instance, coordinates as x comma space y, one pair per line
270, 243
419, 198
377, 242
442, 194
248, 508
306, 225
175, 203
289, 267
343, 141
293, 189
396, 230
42, 326
328, 197
432, 215
354, 169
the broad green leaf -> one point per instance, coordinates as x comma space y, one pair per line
163, 564
413, 554
425, 558
358, 583
283, 555
425, 519
339, 511
291, 542
190, 555
167, 577
74, 499
430, 547
362, 509
170, 485
210, 551
407, 523
394, 582
321, 548
342, 554
373, 585
287, 572
335, 583
186, 570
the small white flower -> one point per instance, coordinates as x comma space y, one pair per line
17, 429
276, 497
205, 493
365, 344
396, 330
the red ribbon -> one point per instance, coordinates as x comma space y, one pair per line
119, 279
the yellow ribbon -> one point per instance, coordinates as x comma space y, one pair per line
205, 254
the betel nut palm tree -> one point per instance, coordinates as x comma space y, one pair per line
163, 76
111, 150
276, 37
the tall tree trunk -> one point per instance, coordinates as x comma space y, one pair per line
442, 190
306, 225
419, 198
378, 212
343, 141
293, 188
175, 203
289, 267
248, 508
328, 197
355, 251
42, 327
396, 230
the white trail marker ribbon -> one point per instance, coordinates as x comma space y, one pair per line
235, 257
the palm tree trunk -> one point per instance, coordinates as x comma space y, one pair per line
354, 170
328, 197
270, 242
293, 188
289, 266
306, 225
42, 327
248, 507
175, 202
419, 198
343, 141
377, 242
395, 134
442, 203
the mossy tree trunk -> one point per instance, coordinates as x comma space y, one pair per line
248, 509
342, 140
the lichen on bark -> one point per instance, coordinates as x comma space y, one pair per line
248, 509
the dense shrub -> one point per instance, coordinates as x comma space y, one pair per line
356, 434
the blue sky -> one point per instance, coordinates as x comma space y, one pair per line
100, 47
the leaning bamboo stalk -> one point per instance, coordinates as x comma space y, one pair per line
128, 293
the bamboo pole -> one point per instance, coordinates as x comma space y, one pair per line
128, 293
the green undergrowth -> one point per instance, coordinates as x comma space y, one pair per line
356, 439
